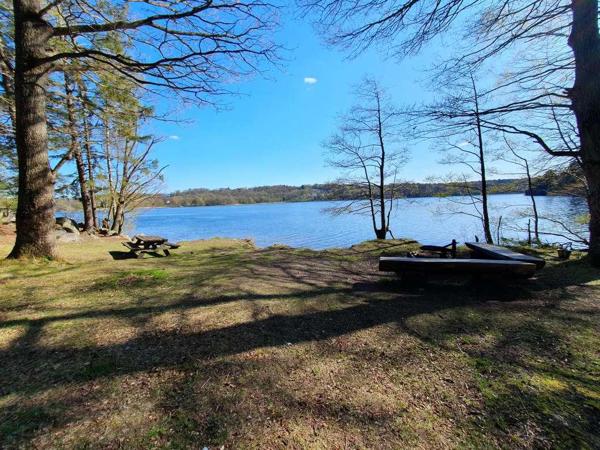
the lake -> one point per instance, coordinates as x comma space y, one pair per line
429, 220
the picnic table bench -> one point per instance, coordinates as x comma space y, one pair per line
142, 244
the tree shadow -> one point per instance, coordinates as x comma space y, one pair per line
434, 314
36, 368
538, 382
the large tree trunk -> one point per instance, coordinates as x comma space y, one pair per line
35, 210
585, 96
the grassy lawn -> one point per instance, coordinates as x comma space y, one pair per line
223, 344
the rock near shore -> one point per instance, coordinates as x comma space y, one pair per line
67, 224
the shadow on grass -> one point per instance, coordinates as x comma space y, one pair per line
31, 369
569, 273
119, 255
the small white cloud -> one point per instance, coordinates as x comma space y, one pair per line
174, 137
310, 80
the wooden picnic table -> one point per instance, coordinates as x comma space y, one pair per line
489, 251
149, 241
142, 244
426, 266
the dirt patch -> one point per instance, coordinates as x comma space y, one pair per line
7, 233
7, 229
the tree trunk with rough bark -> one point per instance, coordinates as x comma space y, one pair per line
35, 210
585, 97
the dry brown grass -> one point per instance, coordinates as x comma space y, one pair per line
226, 345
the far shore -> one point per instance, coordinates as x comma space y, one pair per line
66, 208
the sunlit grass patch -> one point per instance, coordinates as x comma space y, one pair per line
139, 277
548, 383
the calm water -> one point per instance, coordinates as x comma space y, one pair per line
308, 225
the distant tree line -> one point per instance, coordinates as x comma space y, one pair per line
553, 182
568, 181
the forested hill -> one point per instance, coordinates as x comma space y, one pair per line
562, 182
315, 192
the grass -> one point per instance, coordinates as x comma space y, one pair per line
223, 344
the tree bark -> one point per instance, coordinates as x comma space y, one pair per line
585, 97
35, 210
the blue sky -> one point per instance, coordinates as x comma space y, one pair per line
272, 132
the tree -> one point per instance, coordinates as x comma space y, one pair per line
8, 156
521, 161
193, 47
455, 124
75, 150
136, 177
365, 149
87, 177
498, 26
